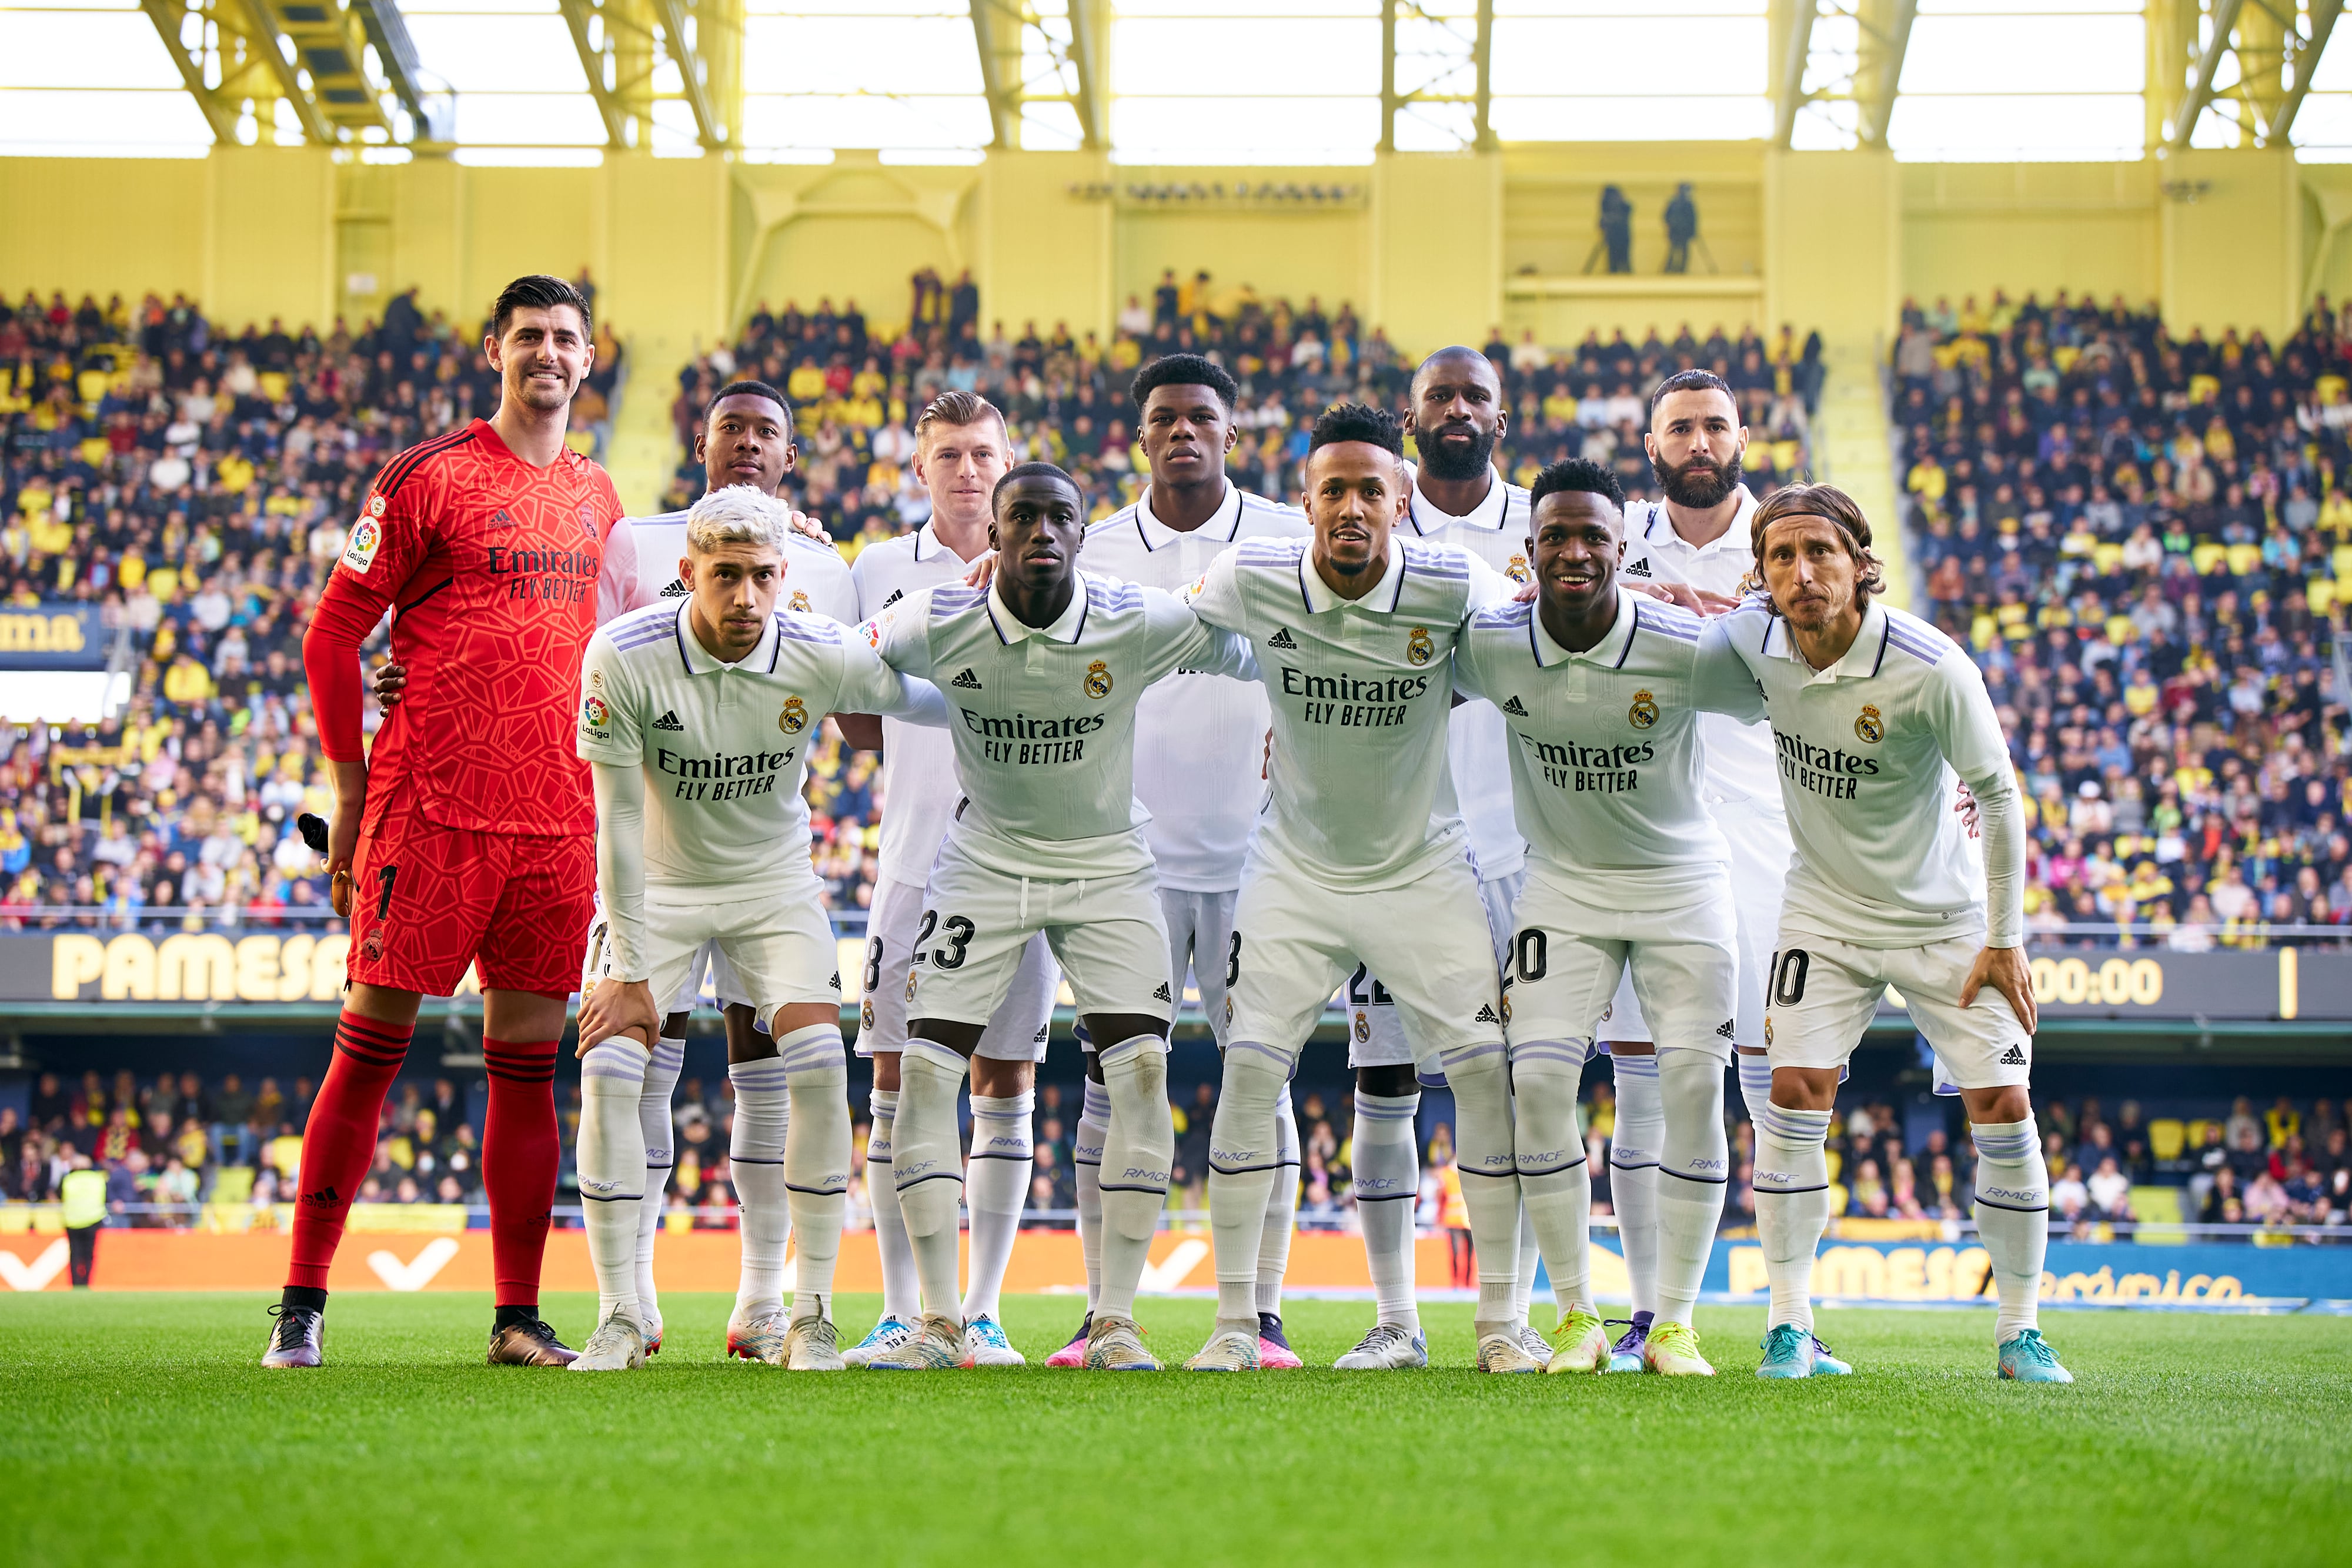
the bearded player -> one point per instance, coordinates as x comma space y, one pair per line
466, 837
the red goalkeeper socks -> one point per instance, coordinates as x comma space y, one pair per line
520, 1151
338, 1142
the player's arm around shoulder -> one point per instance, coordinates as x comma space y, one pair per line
899, 635
869, 685
1178, 638
608, 728
1487, 586
1721, 681
1215, 596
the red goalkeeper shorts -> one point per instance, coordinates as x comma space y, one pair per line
427, 901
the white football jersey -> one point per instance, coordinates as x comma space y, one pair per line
725, 746
1199, 739
919, 787
1866, 754
1042, 717
816, 580
1605, 752
1738, 756
1361, 689
1496, 533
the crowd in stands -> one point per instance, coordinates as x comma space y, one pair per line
180, 1151
2142, 537
195, 483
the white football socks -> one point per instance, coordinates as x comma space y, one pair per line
928, 1166
611, 1158
1086, 1159
661, 1153
1755, 1085
756, 1155
1480, 1078
2012, 1215
1793, 1206
1137, 1156
995, 1191
901, 1298
817, 1159
1244, 1152
1555, 1182
1694, 1169
1281, 1211
1633, 1173
1387, 1189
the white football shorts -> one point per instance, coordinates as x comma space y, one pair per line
1376, 1035
1758, 832
709, 962
1824, 992
1108, 933
777, 947
1574, 948
1201, 941
1427, 939
1022, 1022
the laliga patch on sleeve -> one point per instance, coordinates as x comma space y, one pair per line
367, 537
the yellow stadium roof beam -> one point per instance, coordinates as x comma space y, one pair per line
1436, 65
348, 73
1846, 54
1041, 62
2248, 67
637, 53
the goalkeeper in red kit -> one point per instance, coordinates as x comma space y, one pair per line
467, 834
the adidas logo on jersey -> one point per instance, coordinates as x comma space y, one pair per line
668, 720
2014, 1057
967, 680
673, 589
1282, 639
1160, 993
1486, 1014
1726, 1030
896, 595
499, 520
1514, 707
1638, 569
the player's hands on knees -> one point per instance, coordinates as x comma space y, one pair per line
983, 569
2006, 971
391, 682
618, 1006
1966, 807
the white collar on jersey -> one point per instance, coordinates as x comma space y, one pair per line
1427, 517
928, 545
1066, 628
1860, 662
1319, 596
1223, 524
1733, 537
701, 660
1609, 653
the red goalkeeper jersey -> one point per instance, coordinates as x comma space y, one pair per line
490, 568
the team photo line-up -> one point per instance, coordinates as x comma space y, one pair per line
1567, 775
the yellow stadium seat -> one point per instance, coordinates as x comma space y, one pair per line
1837, 1163
2165, 1138
2197, 1134
234, 1185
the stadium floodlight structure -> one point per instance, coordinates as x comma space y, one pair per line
347, 70
637, 53
2237, 73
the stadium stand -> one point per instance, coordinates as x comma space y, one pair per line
2142, 539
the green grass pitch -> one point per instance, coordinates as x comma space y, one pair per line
137, 1429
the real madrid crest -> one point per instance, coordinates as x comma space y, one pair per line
1870, 728
910, 989
1517, 570
800, 601
1418, 648
865, 1013
1363, 1026
795, 718
1644, 711
1098, 680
